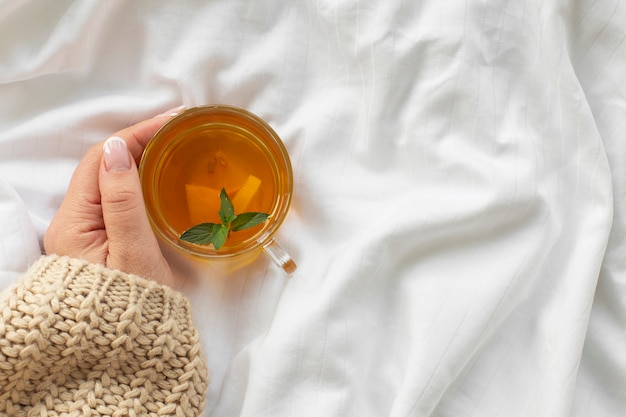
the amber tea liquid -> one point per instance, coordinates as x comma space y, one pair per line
198, 156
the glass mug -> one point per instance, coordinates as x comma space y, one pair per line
206, 149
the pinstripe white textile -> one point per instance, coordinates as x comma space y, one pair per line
459, 215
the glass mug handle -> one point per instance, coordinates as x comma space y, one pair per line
280, 256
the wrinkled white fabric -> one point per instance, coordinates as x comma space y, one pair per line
458, 215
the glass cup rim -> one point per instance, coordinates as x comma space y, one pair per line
256, 242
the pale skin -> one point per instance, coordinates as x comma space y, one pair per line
102, 218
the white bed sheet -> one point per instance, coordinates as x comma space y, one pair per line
458, 216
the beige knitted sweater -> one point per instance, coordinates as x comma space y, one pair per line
78, 339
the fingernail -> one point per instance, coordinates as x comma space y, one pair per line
116, 156
172, 112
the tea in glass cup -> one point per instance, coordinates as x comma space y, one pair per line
209, 166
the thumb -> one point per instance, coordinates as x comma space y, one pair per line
132, 246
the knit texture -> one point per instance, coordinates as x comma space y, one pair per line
78, 339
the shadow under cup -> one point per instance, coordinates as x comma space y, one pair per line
202, 151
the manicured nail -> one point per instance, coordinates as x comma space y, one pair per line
116, 156
172, 112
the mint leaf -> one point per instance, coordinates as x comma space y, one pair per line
227, 211
200, 234
248, 220
217, 233
220, 233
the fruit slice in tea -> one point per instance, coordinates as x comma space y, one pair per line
200, 199
242, 199
204, 163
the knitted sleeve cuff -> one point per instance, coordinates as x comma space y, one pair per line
76, 335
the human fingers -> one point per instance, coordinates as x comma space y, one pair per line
83, 192
84, 184
138, 135
132, 245
77, 229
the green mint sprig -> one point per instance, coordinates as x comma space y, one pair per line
217, 233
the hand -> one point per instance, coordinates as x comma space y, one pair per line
102, 218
